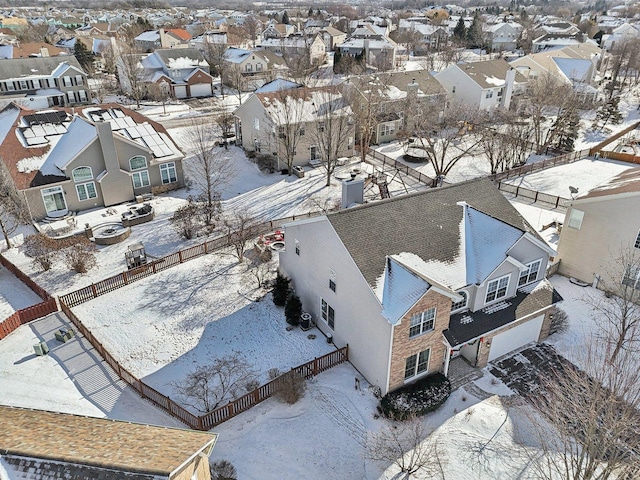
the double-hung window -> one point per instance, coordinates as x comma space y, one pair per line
460, 304
416, 364
530, 274
497, 289
86, 191
637, 242
631, 276
141, 179
422, 322
575, 219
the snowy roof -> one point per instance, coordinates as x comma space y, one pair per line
178, 58
79, 134
487, 241
236, 55
401, 289
574, 69
490, 73
627, 182
149, 36
308, 104
277, 85
430, 226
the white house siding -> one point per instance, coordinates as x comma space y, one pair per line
460, 87
609, 225
369, 336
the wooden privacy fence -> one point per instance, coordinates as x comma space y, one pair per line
26, 315
221, 414
30, 313
407, 170
534, 195
541, 165
120, 280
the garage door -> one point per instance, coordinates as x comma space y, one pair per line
201, 90
516, 337
181, 91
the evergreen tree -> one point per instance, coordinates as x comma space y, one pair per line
293, 309
566, 127
608, 113
83, 55
310, 13
285, 18
337, 57
474, 34
280, 290
460, 31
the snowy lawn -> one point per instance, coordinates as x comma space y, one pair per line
72, 378
162, 327
14, 295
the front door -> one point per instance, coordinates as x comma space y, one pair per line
313, 152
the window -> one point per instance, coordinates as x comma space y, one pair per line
302, 132
416, 364
328, 314
86, 191
82, 174
256, 124
350, 143
422, 322
297, 247
141, 179
321, 127
79, 80
66, 81
82, 95
497, 289
36, 83
489, 94
387, 129
631, 276
530, 274
249, 67
258, 67
138, 162
54, 201
332, 280
637, 244
462, 303
168, 173
453, 89
10, 86
575, 219
23, 84
281, 132
313, 152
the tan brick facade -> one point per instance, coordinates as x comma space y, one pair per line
403, 346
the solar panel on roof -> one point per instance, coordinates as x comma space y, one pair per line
130, 121
118, 113
133, 132
46, 117
28, 133
36, 141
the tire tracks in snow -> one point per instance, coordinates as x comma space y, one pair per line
341, 410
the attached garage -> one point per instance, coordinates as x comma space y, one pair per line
180, 91
515, 337
201, 90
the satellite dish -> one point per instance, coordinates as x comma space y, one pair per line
573, 190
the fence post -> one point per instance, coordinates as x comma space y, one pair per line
206, 250
557, 201
124, 278
180, 255
93, 289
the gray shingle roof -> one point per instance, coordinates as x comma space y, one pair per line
425, 223
37, 66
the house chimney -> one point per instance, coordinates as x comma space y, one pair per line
44, 52
108, 146
510, 79
163, 38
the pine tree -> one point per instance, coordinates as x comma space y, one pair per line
474, 33
460, 31
567, 126
608, 113
285, 18
293, 309
280, 290
310, 13
337, 57
83, 55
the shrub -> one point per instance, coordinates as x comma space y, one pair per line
185, 219
418, 398
79, 254
291, 387
559, 322
293, 309
223, 470
280, 290
42, 249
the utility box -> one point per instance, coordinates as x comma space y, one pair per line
298, 171
41, 348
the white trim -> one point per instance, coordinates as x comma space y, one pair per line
515, 262
211, 443
506, 290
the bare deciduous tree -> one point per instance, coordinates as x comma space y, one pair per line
210, 168
226, 123
79, 254
241, 227
214, 54
130, 73
13, 207
407, 446
334, 130
506, 142
446, 138
236, 80
160, 92
594, 415
210, 386
42, 249
287, 109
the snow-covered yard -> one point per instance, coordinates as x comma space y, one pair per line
14, 295
164, 326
